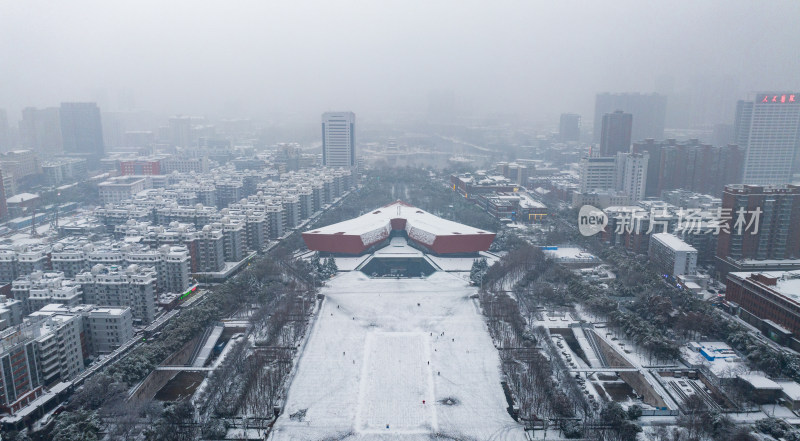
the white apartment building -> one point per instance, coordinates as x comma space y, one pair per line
598, 173
634, 175
671, 255
59, 347
104, 328
43, 288
171, 262
108, 327
182, 164
133, 286
210, 243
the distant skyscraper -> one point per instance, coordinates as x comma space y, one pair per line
649, 113
3, 205
40, 130
569, 128
5, 134
616, 133
769, 127
741, 122
690, 165
82, 130
339, 139
180, 131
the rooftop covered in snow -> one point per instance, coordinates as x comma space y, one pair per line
435, 234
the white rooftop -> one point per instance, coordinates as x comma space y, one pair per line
572, 254
22, 197
725, 365
107, 311
759, 381
791, 389
382, 217
673, 242
788, 283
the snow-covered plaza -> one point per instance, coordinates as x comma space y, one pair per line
404, 359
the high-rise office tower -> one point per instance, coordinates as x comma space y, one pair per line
82, 130
569, 127
616, 133
40, 130
339, 139
769, 127
649, 113
762, 227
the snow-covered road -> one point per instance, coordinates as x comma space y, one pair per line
397, 359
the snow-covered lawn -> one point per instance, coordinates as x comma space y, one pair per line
402, 359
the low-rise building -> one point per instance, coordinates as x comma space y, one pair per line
21, 204
517, 206
470, 185
600, 198
769, 301
120, 189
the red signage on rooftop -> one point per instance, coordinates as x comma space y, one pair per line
782, 98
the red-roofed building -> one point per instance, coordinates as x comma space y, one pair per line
429, 232
141, 166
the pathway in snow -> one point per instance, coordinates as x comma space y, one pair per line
382, 346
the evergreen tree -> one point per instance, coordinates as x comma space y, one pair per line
330, 266
316, 264
478, 271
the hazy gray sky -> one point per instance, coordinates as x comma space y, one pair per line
254, 58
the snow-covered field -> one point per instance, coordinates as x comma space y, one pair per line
460, 263
397, 359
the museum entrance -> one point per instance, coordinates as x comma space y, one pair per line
398, 267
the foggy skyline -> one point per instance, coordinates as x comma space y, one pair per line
255, 59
